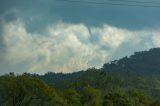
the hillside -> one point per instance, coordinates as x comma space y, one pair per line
146, 63
130, 81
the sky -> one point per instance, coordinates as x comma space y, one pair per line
39, 36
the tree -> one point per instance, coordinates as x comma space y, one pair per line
91, 96
26, 91
71, 97
117, 99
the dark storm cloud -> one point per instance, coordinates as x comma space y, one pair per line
2, 45
121, 16
44, 12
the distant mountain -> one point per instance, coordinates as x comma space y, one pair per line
146, 63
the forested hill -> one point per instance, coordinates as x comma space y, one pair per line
146, 63
130, 81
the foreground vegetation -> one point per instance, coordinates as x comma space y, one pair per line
27, 90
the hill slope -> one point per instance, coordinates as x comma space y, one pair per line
130, 81
146, 63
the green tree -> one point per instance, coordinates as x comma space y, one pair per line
117, 99
26, 91
71, 97
91, 96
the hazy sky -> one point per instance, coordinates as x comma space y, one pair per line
38, 36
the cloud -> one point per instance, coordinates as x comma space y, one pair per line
2, 44
156, 39
61, 48
65, 47
48, 11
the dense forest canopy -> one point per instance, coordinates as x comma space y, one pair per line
145, 63
130, 81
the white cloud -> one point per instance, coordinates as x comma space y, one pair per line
67, 47
156, 39
112, 36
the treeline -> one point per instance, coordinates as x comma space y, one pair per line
28, 90
104, 81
